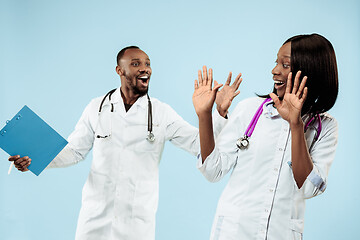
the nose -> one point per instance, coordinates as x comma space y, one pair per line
275, 70
145, 69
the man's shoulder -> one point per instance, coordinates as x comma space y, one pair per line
95, 102
156, 103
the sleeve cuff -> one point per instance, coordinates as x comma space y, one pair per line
200, 165
218, 123
317, 180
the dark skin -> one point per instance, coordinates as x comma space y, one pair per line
21, 164
135, 72
289, 108
134, 64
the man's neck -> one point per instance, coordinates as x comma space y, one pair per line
129, 97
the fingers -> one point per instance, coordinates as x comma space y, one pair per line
196, 85
296, 82
205, 77
216, 87
210, 79
275, 98
21, 164
237, 81
236, 93
228, 80
304, 95
288, 83
299, 87
200, 78
302, 87
13, 158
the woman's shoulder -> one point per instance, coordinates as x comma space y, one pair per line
328, 121
248, 104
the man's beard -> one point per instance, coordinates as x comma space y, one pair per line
135, 88
141, 92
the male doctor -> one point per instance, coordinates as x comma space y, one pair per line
120, 196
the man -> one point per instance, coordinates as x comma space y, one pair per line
127, 131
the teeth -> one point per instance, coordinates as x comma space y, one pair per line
144, 77
278, 82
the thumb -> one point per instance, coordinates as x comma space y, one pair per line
275, 99
216, 84
216, 87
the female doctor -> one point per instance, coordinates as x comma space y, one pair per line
279, 146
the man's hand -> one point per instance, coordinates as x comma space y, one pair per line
20, 163
225, 96
204, 95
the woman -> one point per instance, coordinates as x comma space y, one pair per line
279, 147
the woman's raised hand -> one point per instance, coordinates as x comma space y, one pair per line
204, 94
290, 107
225, 96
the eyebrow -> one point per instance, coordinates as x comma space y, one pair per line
138, 59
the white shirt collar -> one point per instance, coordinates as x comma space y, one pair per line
116, 98
269, 110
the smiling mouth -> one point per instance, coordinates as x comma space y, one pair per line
278, 83
144, 78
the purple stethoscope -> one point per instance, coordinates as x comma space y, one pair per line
243, 142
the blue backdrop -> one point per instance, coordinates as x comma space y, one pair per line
57, 55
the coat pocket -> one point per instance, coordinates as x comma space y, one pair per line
146, 200
94, 193
137, 138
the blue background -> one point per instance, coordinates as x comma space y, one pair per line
55, 56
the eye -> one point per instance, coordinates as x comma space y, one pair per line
147, 64
286, 65
135, 64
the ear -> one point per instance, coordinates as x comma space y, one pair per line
119, 70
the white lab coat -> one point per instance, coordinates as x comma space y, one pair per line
120, 196
261, 200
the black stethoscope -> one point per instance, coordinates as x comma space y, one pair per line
150, 136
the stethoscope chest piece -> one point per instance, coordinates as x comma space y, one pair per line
243, 142
150, 137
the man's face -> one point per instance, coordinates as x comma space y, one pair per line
134, 68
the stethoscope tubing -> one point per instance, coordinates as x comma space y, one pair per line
150, 136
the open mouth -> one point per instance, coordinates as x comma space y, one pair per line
278, 83
143, 78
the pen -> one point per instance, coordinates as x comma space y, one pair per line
11, 166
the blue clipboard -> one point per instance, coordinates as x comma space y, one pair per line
26, 134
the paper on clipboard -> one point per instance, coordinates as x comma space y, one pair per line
26, 134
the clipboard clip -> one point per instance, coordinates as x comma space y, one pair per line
3, 132
18, 117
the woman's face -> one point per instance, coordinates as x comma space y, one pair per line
282, 69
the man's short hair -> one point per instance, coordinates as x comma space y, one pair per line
122, 52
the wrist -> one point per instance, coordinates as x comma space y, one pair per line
204, 114
296, 125
221, 111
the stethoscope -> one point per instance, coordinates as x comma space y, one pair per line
150, 136
243, 142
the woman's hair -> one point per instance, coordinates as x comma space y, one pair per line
315, 57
